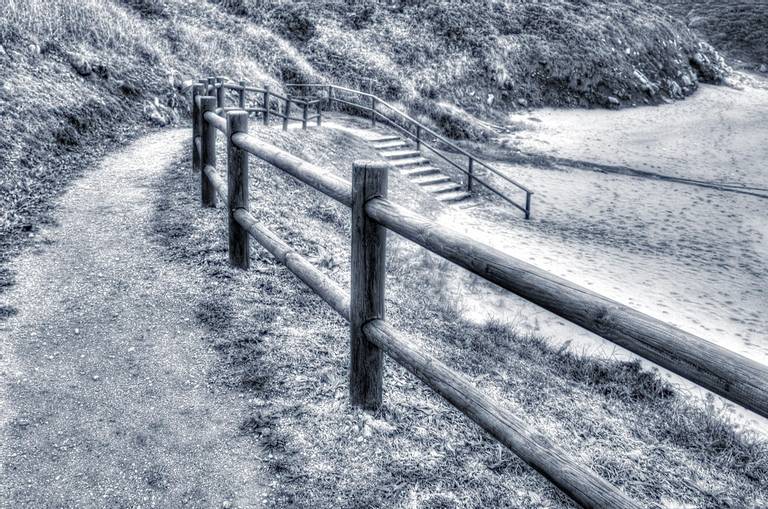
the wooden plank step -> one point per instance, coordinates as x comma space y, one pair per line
405, 163
420, 172
432, 179
445, 187
384, 145
400, 154
381, 139
453, 197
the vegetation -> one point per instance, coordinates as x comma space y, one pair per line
736, 27
287, 352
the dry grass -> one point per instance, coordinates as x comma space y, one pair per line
287, 352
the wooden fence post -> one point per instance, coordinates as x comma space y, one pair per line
207, 151
211, 90
197, 91
418, 137
221, 94
319, 113
266, 105
369, 180
304, 116
373, 111
471, 167
237, 190
241, 96
528, 204
286, 113
330, 97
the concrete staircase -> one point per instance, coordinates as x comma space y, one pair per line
419, 170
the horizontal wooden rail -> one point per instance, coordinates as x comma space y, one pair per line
579, 482
722, 371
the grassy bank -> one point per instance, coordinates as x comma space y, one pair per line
286, 352
74, 74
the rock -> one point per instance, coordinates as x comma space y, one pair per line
227, 504
687, 82
522, 102
613, 101
763, 67
34, 49
674, 89
81, 65
490, 99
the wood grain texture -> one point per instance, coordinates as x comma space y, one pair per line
368, 269
237, 190
576, 480
726, 373
197, 91
208, 149
312, 175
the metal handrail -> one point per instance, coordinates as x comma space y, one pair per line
375, 100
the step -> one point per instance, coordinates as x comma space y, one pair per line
469, 203
420, 172
431, 180
382, 139
384, 145
445, 187
453, 197
405, 163
400, 154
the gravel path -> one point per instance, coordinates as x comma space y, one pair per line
104, 393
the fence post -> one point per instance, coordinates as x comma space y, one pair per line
266, 104
369, 240
319, 113
241, 96
197, 91
471, 172
330, 97
207, 151
418, 137
237, 189
373, 111
286, 113
211, 90
304, 116
220, 94
528, 204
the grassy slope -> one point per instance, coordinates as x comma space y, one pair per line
136, 55
737, 27
287, 352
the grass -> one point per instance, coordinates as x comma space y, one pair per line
736, 27
287, 353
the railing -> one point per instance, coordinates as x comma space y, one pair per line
717, 369
425, 137
267, 102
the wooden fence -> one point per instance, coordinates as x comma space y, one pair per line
723, 372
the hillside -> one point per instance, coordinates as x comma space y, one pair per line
75, 75
737, 27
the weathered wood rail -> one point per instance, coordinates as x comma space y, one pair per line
380, 110
726, 373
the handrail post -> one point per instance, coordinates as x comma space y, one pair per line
470, 173
330, 96
527, 204
373, 111
237, 189
197, 91
286, 113
207, 151
266, 105
220, 94
304, 116
418, 137
211, 90
241, 96
319, 113
369, 240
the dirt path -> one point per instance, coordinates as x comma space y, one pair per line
104, 399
